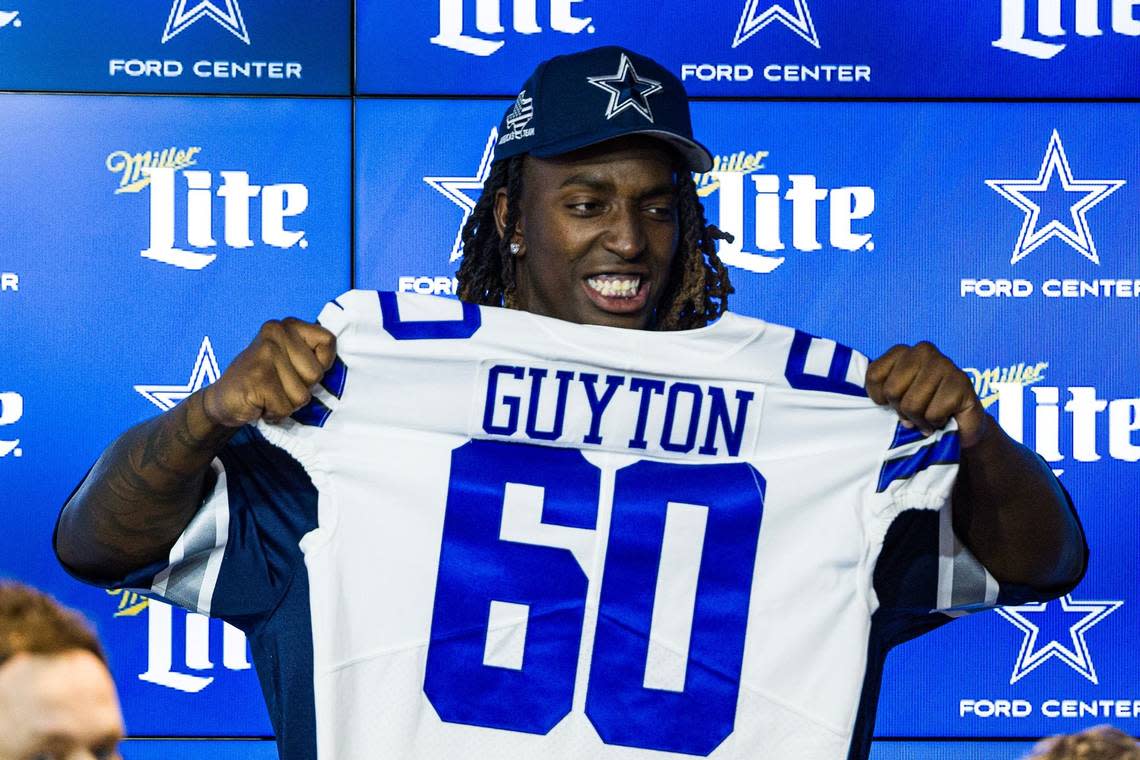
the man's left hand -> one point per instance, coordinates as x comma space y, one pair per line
926, 389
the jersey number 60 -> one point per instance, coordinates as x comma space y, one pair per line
668, 646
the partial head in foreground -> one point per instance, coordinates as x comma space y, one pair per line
1096, 743
57, 698
590, 213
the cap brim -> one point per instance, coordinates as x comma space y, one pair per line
697, 157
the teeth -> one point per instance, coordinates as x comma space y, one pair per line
615, 286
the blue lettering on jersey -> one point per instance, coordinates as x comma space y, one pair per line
647, 388
667, 442
835, 381
697, 718
555, 431
627, 703
598, 404
475, 567
510, 402
719, 419
670, 415
402, 329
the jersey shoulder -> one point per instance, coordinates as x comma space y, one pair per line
800, 360
734, 347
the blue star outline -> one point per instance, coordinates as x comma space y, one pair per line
1034, 234
1033, 654
204, 373
752, 20
456, 189
229, 19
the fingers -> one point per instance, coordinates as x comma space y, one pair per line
300, 341
878, 372
273, 376
923, 387
319, 341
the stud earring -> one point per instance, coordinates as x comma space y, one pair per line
515, 249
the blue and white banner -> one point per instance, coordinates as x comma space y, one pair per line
143, 242
182, 46
1004, 234
780, 48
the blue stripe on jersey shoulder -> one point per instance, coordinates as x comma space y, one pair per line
337, 303
273, 504
443, 329
943, 451
905, 435
314, 413
335, 378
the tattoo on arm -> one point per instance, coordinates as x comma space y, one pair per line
141, 494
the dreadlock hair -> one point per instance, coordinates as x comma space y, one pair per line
695, 294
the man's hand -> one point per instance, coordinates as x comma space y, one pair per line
926, 390
271, 378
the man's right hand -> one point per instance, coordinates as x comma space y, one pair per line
271, 378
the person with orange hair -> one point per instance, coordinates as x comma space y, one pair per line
57, 699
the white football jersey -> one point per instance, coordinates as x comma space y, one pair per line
497, 535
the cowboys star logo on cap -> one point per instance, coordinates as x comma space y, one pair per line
627, 90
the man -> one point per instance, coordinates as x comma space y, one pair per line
1096, 743
57, 699
489, 532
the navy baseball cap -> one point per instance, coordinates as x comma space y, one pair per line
572, 101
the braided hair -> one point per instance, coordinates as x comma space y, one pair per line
695, 294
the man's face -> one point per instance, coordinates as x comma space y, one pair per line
598, 229
60, 707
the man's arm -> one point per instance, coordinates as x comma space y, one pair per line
142, 493
1014, 516
1009, 509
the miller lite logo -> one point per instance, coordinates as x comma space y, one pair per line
11, 411
488, 23
817, 214
1086, 23
279, 203
187, 673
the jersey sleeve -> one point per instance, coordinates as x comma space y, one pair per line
924, 571
238, 555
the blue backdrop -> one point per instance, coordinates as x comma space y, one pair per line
744, 48
1003, 230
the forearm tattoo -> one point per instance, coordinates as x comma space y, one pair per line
139, 497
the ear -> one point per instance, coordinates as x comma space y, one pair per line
501, 216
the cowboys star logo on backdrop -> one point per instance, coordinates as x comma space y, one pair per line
205, 372
161, 643
1055, 205
758, 14
1056, 630
10, 19
457, 189
1082, 196
182, 17
794, 16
